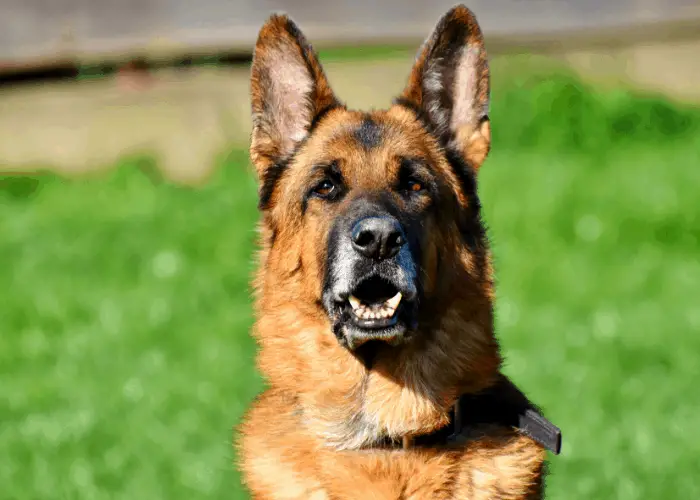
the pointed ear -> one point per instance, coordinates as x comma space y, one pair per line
288, 90
449, 85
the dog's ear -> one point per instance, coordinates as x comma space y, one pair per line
288, 89
449, 85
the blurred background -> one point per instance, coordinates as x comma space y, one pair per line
127, 214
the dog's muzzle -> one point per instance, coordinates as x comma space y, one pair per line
371, 288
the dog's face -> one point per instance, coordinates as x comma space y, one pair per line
378, 210
368, 187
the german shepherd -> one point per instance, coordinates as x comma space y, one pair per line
374, 291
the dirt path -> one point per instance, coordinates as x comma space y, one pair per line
185, 118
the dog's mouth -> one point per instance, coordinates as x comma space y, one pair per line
375, 309
374, 304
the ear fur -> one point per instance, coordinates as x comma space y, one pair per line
288, 90
449, 85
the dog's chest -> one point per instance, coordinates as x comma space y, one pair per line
475, 472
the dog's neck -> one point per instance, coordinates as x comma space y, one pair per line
407, 390
501, 405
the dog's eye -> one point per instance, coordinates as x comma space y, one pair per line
324, 189
414, 185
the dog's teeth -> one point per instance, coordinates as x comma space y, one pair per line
393, 302
359, 312
354, 302
374, 311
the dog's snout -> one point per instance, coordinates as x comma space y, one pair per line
378, 237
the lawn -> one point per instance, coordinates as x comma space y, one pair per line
125, 359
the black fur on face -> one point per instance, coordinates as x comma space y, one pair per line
353, 275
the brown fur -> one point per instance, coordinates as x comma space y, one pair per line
314, 432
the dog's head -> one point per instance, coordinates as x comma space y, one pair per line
371, 220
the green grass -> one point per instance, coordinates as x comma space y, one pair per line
363, 53
124, 354
125, 358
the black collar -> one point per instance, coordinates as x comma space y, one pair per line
501, 405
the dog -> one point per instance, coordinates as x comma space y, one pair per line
374, 290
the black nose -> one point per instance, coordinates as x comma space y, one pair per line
378, 237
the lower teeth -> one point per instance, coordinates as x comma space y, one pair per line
374, 314
384, 310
